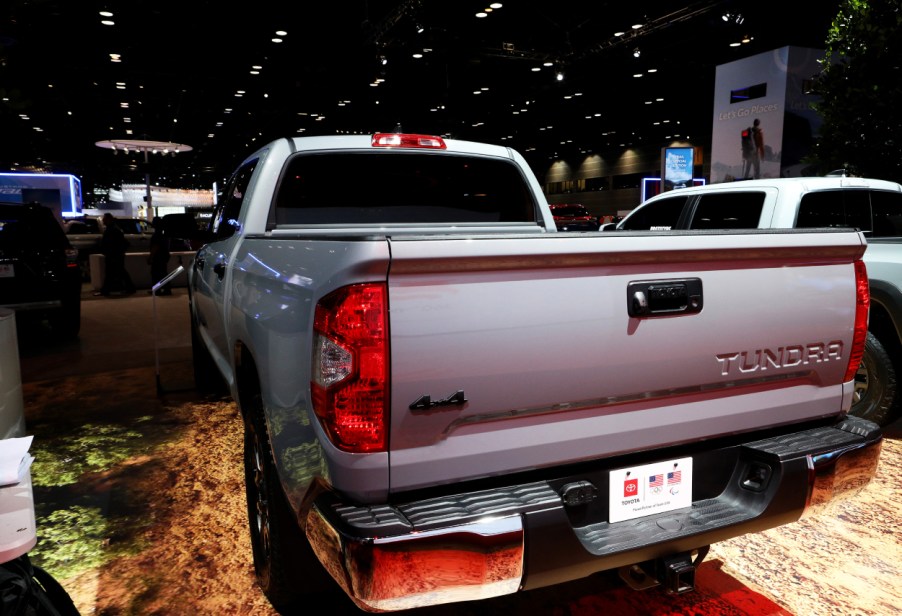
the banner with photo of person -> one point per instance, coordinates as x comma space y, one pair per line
763, 122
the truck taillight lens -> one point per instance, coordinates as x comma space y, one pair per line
349, 387
408, 140
862, 306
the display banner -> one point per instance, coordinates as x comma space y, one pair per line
763, 121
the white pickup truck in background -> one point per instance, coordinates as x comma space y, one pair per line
873, 206
445, 399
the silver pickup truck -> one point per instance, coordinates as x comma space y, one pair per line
447, 400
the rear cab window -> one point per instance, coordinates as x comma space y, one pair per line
728, 210
886, 209
402, 187
877, 213
835, 208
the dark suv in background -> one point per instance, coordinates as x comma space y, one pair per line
573, 217
39, 273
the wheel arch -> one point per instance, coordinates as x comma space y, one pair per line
884, 319
247, 376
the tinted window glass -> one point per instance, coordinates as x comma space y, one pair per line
401, 187
835, 208
225, 219
887, 208
732, 210
661, 215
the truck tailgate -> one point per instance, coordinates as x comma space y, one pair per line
511, 353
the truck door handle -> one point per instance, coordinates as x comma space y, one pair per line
219, 269
664, 297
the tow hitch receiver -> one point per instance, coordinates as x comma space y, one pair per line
676, 573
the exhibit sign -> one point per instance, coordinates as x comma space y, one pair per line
61, 192
764, 124
677, 164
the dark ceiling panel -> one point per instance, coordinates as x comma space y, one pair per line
184, 63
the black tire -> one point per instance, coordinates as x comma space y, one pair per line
207, 379
285, 566
876, 396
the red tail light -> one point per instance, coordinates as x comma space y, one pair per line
862, 307
71, 257
350, 367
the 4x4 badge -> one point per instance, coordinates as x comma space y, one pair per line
425, 402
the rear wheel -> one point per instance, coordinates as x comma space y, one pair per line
876, 396
285, 566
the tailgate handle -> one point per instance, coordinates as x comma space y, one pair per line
664, 297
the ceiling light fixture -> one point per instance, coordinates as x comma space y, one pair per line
637, 52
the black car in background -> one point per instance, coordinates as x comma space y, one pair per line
573, 217
39, 274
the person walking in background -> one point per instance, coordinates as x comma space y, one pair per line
758, 136
752, 150
159, 256
113, 246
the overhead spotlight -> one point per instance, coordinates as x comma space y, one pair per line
420, 28
383, 60
637, 52
559, 76
738, 18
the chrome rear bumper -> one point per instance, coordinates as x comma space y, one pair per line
464, 547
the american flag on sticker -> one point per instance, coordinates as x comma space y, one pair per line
655, 481
674, 478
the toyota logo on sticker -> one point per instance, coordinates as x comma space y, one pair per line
630, 487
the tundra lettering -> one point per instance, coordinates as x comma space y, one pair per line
783, 357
